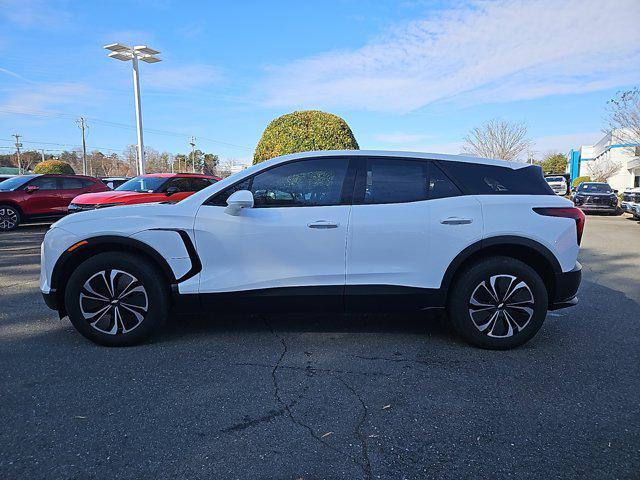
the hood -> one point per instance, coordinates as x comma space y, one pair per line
112, 196
136, 213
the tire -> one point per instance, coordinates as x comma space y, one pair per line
477, 307
9, 217
102, 316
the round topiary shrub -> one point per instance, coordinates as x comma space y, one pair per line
578, 180
304, 131
54, 167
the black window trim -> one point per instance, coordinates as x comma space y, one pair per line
346, 195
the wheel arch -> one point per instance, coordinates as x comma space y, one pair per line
73, 257
531, 252
15, 205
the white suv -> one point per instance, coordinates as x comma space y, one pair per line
558, 184
484, 239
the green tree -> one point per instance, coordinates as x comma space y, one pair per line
54, 167
304, 131
554, 163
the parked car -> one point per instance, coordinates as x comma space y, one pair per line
114, 182
29, 197
486, 240
153, 187
596, 197
6, 176
558, 184
630, 199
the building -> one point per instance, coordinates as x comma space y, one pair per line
613, 150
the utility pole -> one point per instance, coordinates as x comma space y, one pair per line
192, 142
82, 125
18, 145
42, 154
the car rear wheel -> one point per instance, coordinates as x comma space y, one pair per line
117, 299
498, 303
9, 217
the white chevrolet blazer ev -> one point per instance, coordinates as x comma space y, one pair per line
488, 241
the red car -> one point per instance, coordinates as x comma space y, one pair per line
28, 197
153, 187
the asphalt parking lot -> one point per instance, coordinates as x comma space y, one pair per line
298, 397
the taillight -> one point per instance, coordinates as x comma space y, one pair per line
566, 212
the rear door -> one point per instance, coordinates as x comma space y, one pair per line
407, 223
70, 188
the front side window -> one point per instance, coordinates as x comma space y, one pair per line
46, 183
197, 184
182, 184
307, 183
389, 180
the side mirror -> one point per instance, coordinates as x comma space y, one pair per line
615, 191
239, 200
31, 188
171, 190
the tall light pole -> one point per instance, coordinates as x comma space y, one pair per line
126, 53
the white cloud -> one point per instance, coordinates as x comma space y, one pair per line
486, 52
42, 96
36, 13
182, 77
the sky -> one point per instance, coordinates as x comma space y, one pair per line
405, 75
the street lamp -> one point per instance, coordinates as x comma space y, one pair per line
126, 53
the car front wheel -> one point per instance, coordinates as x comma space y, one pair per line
498, 303
117, 299
9, 217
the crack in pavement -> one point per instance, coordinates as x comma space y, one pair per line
311, 369
366, 462
287, 408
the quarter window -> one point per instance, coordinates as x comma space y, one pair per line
481, 179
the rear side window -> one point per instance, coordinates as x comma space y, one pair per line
441, 186
480, 179
73, 183
389, 180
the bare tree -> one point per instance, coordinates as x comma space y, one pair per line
623, 118
602, 169
498, 139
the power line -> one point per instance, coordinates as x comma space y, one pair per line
42, 113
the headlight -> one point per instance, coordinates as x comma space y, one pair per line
105, 205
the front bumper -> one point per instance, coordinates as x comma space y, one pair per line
51, 299
566, 286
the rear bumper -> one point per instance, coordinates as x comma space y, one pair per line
566, 288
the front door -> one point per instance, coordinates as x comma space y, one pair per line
45, 200
286, 251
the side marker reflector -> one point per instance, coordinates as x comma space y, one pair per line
79, 244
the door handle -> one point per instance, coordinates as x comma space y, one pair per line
456, 221
322, 224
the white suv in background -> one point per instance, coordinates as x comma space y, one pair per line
337, 231
630, 201
558, 184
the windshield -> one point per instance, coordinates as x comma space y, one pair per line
595, 188
554, 179
142, 184
14, 183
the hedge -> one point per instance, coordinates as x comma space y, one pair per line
578, 180
54, 167
304, 131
